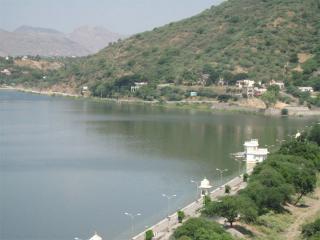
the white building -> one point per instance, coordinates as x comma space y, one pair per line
138, 85
253, 153
205, 187
95, 237
279, 84
245, 83
6, 72
306, 89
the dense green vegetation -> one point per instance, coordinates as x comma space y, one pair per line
201, 229
285, 177
311, 231
235, 40
257, 39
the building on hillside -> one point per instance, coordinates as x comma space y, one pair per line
245, 83
193, 94
6, 72
247, 91
254, 154
259, 91
222, 82
306, 89
275, 83
204, 79
24, 58
137, 86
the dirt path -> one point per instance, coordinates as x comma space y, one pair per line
303, 215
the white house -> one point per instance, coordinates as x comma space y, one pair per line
279, 84
253, 153
138, 85
245, 83
306, 89
6, 72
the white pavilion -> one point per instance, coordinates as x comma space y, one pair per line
95, 237
205, 187
254, 154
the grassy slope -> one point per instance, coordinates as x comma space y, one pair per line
258, 36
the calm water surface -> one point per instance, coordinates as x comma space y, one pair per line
69, 168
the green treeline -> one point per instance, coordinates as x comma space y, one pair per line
286, 176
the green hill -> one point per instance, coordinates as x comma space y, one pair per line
237, 39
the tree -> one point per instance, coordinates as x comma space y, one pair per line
314, 134
269, 98
201, 229
227, 207
304, 182
213, 74
306, 150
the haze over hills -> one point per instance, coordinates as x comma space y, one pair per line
27, 40
252, 37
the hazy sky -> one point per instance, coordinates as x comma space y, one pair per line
123, 16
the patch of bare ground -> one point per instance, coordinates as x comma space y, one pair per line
302, 215
303, 57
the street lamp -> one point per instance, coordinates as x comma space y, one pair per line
132, 216
197, 184
239, 161
168, 197
221, 174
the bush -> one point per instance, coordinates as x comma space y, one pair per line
181, 216
149, 235
284, 112
227, 189
309, 231
245, 177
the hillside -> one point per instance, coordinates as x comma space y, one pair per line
93, 38
251, 38
28, 40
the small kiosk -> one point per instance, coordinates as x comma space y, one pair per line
205, 187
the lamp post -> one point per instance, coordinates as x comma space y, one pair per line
197, 184
132, 217
221, 174
239, 161
168, 197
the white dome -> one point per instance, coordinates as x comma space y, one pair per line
95, 237
205, 184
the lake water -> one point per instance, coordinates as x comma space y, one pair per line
70, 167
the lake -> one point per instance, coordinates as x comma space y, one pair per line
70, 167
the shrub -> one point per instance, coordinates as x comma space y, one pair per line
311, 230
227, 189
245, 177
284, 111
149, 235
181, 216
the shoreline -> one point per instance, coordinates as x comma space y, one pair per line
199, 105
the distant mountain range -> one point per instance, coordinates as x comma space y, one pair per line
27, 40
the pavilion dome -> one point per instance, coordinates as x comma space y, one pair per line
95, 237
205, 184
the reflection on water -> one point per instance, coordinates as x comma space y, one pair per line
72, 167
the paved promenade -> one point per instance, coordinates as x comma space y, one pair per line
165, 228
